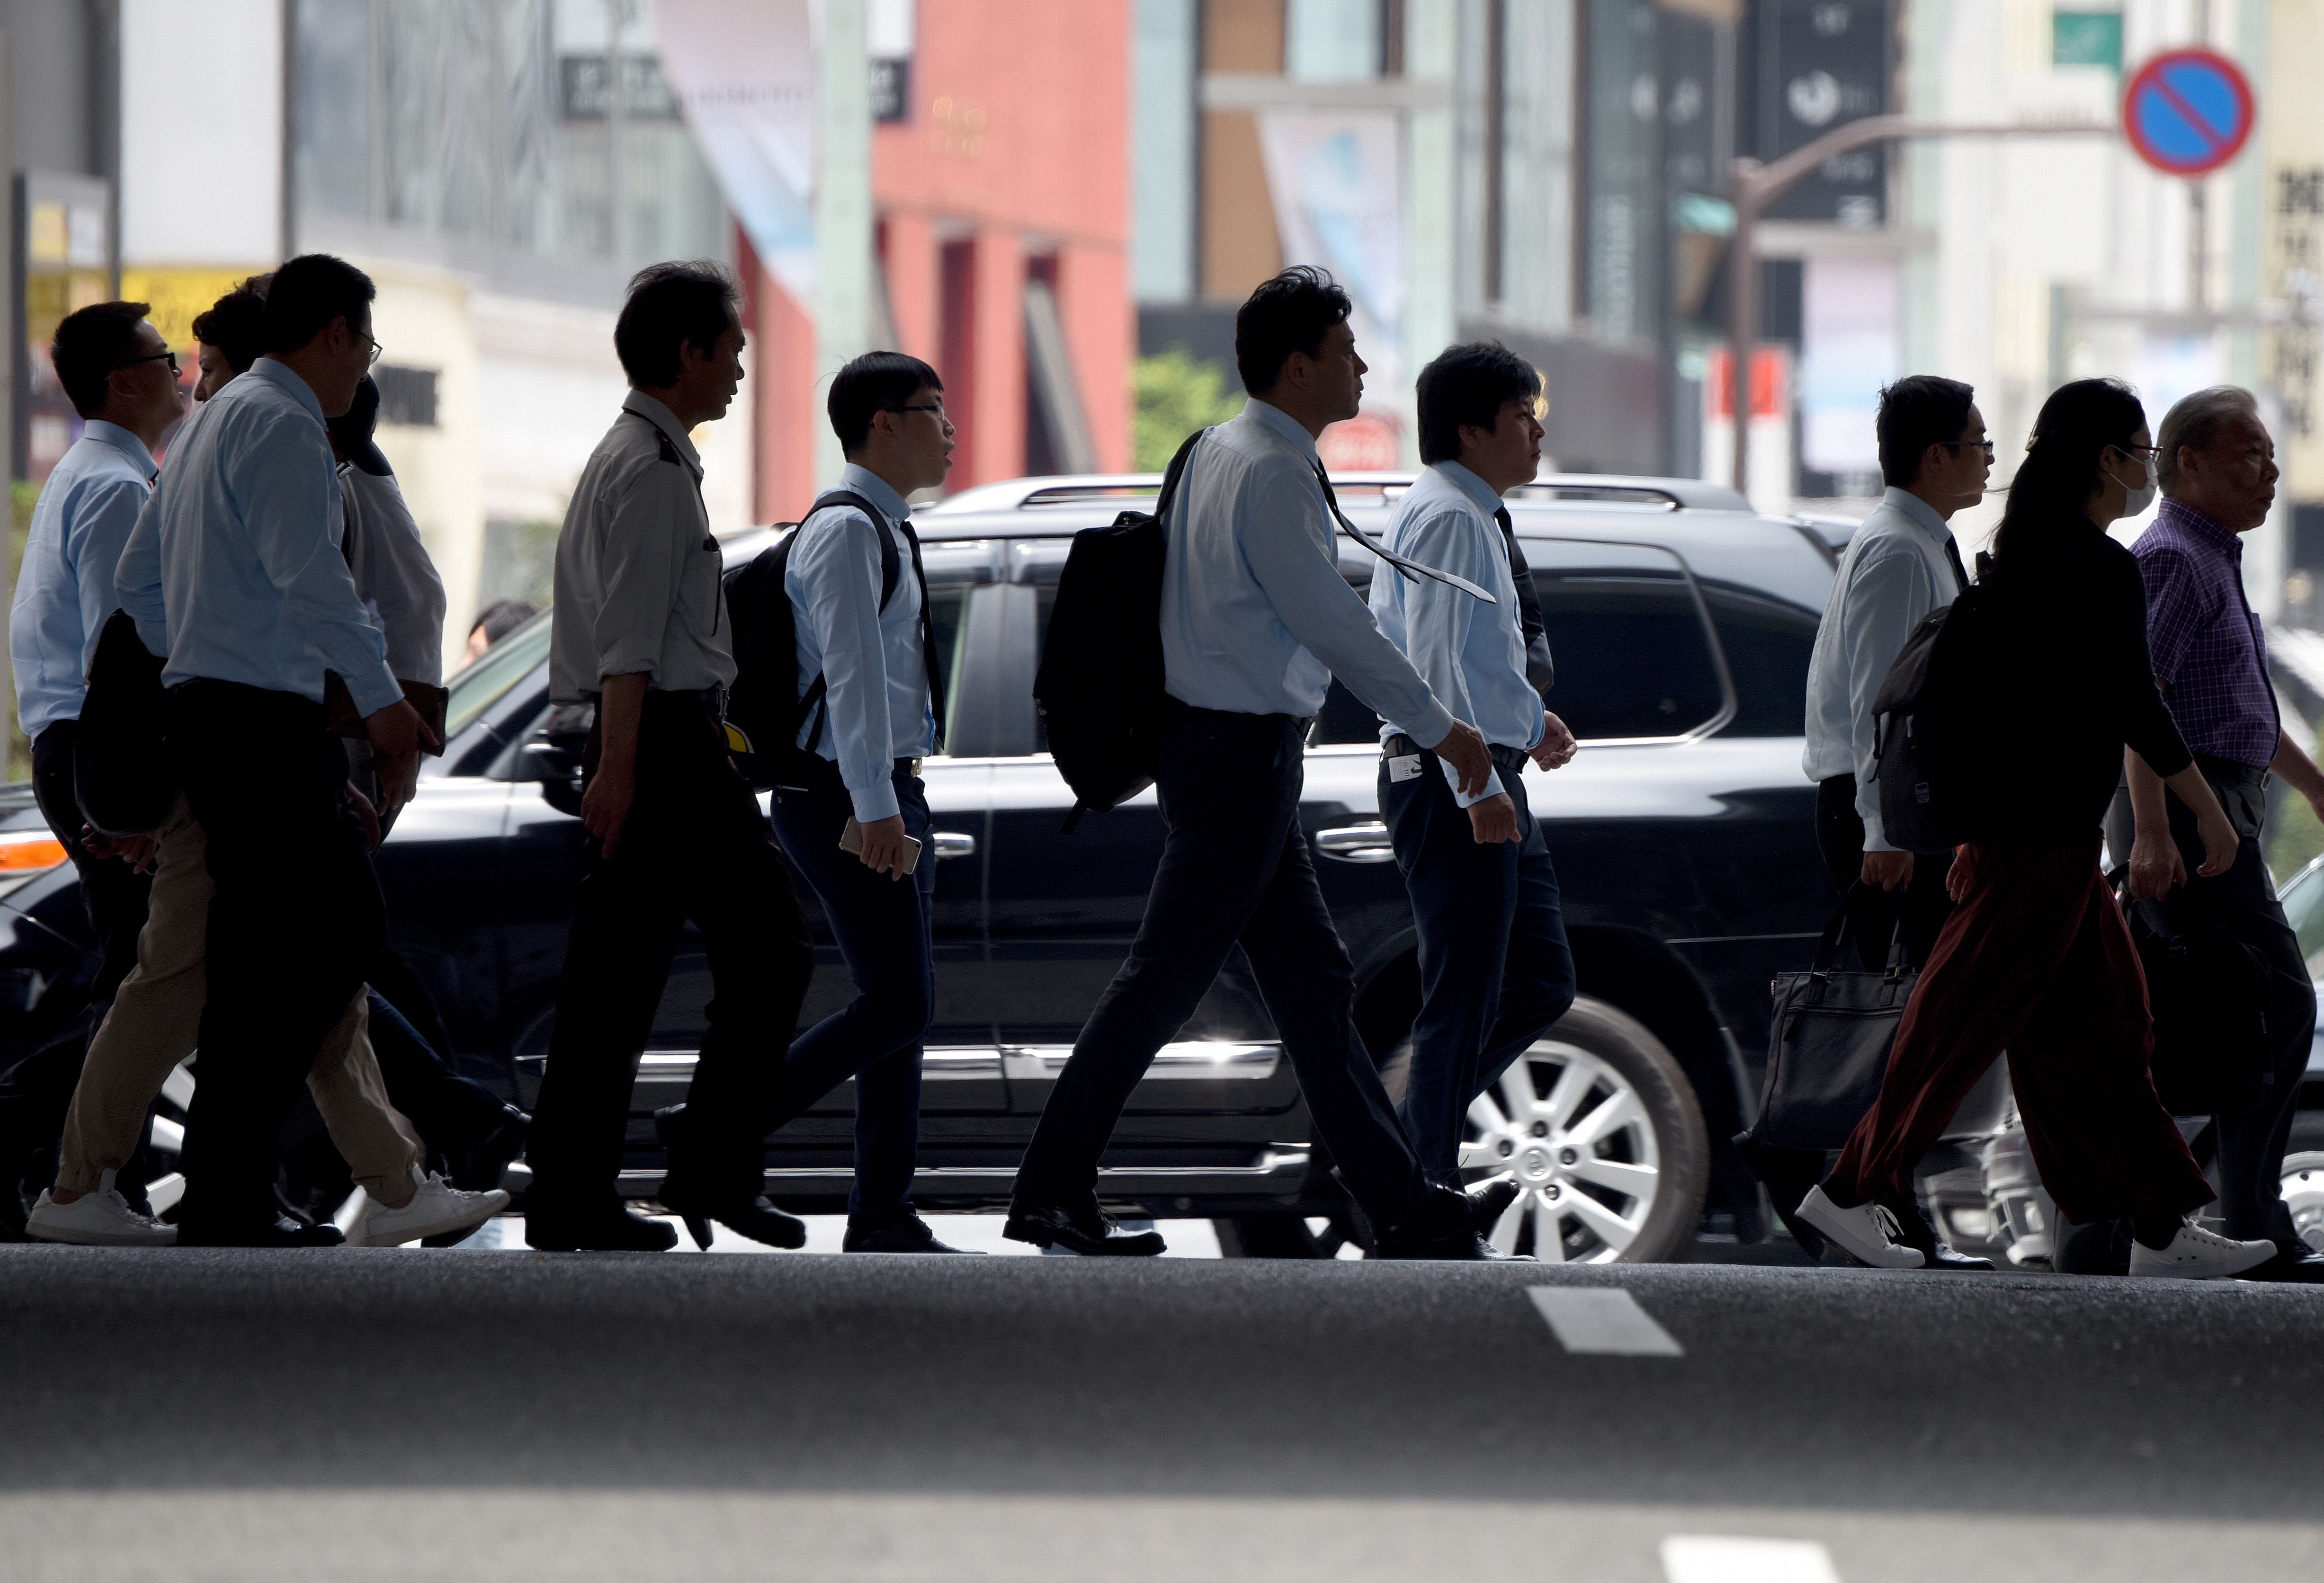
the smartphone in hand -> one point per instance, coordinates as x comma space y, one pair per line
851, 841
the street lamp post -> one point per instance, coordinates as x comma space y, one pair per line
1755, 186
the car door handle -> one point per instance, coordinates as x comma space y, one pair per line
952, 843
1365, 842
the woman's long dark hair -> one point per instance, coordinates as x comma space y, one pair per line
2053, 487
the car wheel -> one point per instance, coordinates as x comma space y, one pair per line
1600, 1128
2303, 1195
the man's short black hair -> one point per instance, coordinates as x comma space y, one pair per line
683, 303
1286, 314
875, 383
235, 323
1919, 410
501, 617
1469, 385
89, 345
310, 291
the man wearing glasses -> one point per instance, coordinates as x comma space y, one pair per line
1901, 565
870, 707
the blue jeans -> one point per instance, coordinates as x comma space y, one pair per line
882, 926
1495, 971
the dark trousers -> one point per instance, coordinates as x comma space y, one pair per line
695, 847
2241, 905
295, 918
1873, 913
113, 893
1495, 969
2037, 961
883, 931
1235, 870
450, 1111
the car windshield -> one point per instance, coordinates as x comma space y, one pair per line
478, 686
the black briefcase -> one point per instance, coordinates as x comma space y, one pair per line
2209, 993
1828, 1042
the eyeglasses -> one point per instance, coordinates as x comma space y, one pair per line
934, 407
377, 351
169, 357
2144, 453
1984, 445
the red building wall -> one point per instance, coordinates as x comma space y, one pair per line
1016, 149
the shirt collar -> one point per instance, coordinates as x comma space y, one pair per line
1918, 512
267, 371
862, 481
2202, 526
666, 420
122, 440
1283, 426
1470, 484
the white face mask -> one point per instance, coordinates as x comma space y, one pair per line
2136, 498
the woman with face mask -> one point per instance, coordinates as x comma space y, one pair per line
2036, 958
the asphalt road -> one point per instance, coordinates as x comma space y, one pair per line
398, 1413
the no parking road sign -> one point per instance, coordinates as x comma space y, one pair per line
2188, 111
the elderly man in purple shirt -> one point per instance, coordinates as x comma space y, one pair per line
2218, 470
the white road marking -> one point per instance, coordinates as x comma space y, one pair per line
1603, 1319
1697, 1557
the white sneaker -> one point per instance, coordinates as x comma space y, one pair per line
436, 1207
102, 1218
1867, 1232
2199, 1254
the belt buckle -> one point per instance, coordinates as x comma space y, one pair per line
915, 766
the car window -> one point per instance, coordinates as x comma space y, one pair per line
1767, 643
1627, 629
476, 687
2303, 908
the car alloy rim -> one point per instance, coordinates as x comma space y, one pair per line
1574, 1135
2303, 1195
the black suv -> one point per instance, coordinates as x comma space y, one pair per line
1682, 624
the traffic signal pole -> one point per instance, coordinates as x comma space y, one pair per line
1757, 185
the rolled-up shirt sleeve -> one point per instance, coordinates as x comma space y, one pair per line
1285, 541
639, 570
137, 579
1887, 597
292, 510
1437, 618
105, 522
836, 571
394, 572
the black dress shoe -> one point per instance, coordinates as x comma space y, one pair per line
610, 1229
479, 1167
754, 1217
283, 1231
1088, 1230
1913, 1231
1490, 1202
910, 1234
2304, 1267
1443, 1227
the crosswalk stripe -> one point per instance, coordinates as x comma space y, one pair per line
1603, 1319
1702, 1558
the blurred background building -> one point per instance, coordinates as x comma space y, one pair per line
1060, 202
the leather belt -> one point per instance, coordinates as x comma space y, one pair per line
1513, 759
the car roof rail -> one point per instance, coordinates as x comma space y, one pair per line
1090, 489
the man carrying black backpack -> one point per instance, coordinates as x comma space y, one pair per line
1256, 619
849, 808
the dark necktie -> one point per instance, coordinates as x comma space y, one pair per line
1409, 569
1540, 670
928, 629
1952, 559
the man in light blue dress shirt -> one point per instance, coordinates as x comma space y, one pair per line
235, 579
1495, 969
864, 734
1256, 619
123, 380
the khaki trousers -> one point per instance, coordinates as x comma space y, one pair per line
156, 1020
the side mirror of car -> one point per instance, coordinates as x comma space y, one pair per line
553, 753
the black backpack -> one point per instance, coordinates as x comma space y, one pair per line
123, 777
1932, 732
1098, 688
764, 706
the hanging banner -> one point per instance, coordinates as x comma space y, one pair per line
743, 72
1337, 181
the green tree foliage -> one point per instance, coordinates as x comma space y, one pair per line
1177, 393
